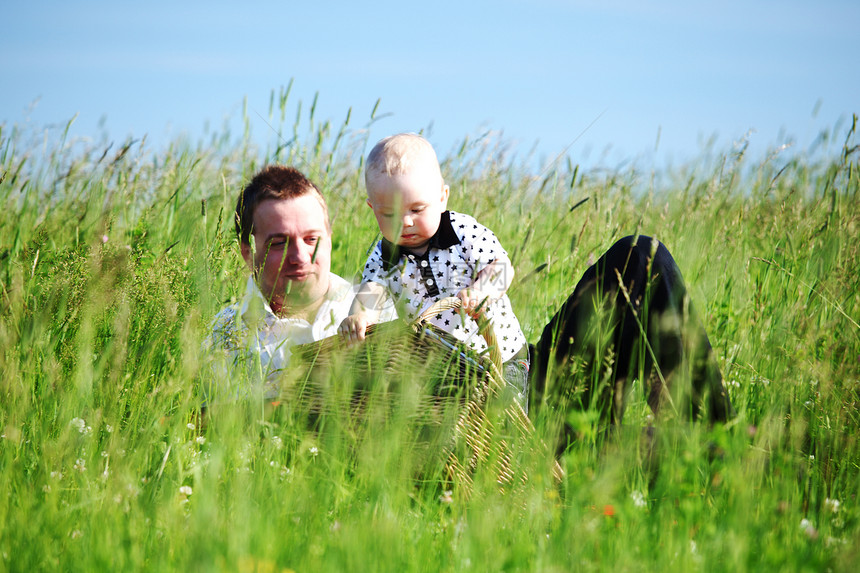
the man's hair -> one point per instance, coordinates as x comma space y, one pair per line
273, 182
397, 154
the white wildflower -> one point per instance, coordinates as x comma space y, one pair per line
832, 504
314, 451
808, 528
80, 465
694, 552
200, 440
108, 428
190, 426
277, 442
447, 496
81, 425
186, 490
638, 499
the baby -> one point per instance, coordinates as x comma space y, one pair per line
429, 253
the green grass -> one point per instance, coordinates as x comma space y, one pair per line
113, 259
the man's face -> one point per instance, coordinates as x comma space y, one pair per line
292, 255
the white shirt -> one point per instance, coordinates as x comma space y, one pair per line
250, 345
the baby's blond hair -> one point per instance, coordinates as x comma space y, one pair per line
398, 154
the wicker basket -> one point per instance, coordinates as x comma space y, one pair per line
450, 385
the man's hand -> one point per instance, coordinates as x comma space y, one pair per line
474, 301
353, 328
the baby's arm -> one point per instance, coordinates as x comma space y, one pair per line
491, 283
364, 311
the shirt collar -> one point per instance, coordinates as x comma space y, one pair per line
255, 307
443, 238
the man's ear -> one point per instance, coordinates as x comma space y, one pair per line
445, 192
247, 255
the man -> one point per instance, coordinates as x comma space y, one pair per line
292, 297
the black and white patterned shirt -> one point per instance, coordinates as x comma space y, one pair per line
456, 254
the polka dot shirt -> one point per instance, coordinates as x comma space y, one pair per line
457, 252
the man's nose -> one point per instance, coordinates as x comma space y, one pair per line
407, 220
298, 253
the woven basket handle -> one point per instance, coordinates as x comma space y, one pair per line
485, 327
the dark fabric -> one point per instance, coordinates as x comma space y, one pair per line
592, 349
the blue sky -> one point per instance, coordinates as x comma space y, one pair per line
537, 72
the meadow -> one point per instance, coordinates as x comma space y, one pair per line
115, 257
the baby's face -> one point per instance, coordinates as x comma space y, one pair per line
408, 206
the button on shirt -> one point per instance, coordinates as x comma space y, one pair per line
250, 344
456, 253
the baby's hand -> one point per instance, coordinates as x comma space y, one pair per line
353, 328
474, 301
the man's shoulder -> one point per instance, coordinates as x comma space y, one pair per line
226, 314
224, 328
340, 288
338, 299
